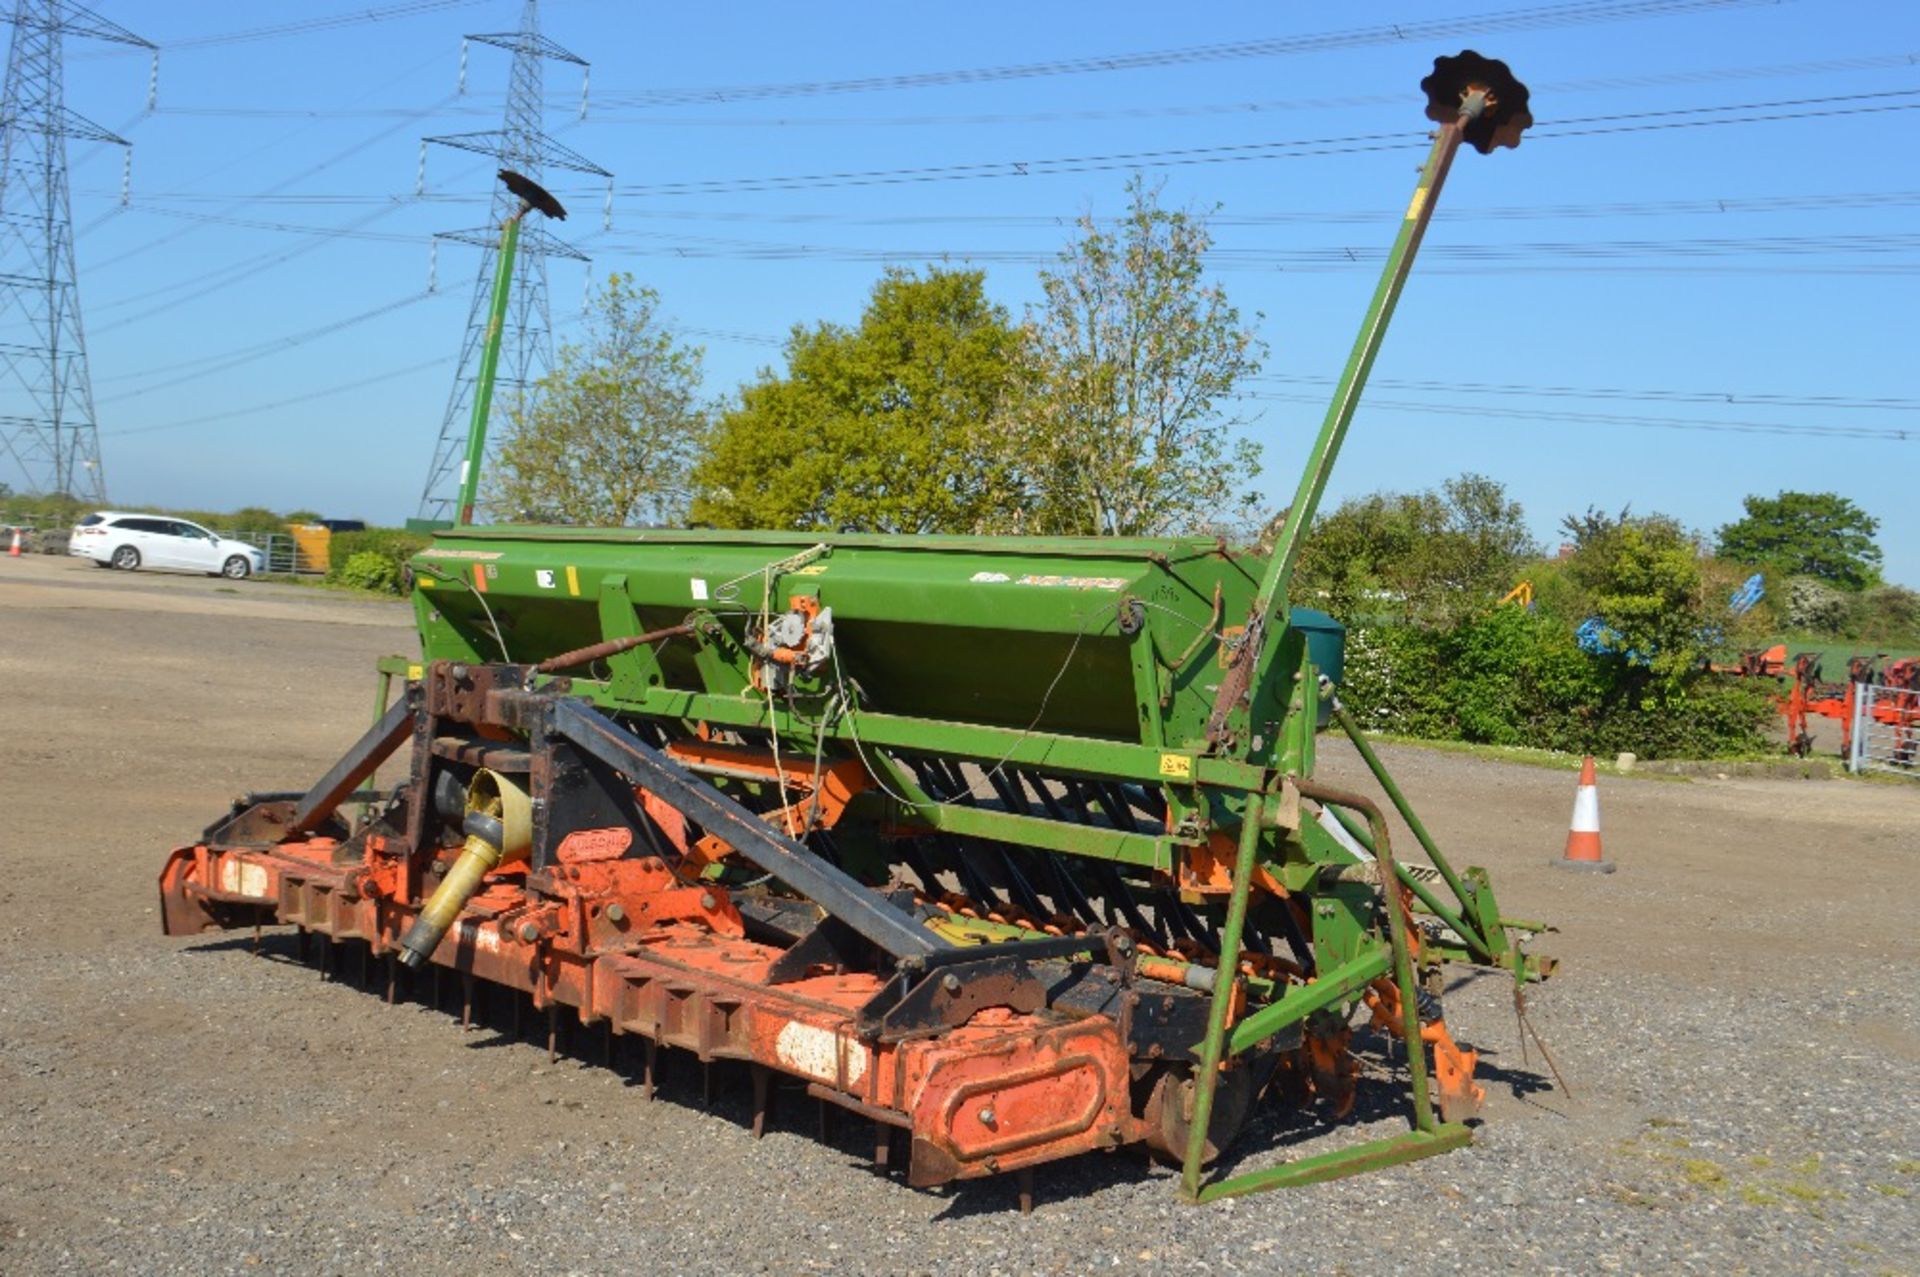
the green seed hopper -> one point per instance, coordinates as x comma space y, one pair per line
1090, 637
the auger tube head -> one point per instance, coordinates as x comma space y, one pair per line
1505, 116
533, 194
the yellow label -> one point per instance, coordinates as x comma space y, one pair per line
1419, 202
573, 581
1227, 645
424, 582
1176, 766
413, 673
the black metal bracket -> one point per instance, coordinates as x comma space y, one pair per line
357, 764
867, 912
949, 995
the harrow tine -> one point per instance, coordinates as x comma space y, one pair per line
1020, 892
1114, 804
1013, 799
911, 853
762, 1095
1122, 896
1297, 941
1151, 801
972, 882
1069, 895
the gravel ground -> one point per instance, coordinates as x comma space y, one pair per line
1738, 1018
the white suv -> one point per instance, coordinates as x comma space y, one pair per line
130, 541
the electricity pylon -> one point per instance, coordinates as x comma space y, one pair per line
47, 428
526, 350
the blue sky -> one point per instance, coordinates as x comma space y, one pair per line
1620, 312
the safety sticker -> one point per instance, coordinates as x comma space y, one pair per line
1176, 766
1076, 582
447, 552
699, 589
544, 578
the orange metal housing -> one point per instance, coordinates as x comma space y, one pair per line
626, 943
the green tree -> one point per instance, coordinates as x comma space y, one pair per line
614, 431
1135, 356
1430, 557
1643, 580
1819, 534
893, 425
1583, 529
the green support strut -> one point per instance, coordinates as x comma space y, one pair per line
1474, 99
531, 197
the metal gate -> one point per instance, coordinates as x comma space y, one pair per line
1886, 730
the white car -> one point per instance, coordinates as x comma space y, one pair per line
129, 541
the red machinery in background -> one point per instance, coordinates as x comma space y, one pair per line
1809, 694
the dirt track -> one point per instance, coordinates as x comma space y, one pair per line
1738, 1014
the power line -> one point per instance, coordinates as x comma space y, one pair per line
1560, 252
255, 409
181, 292
730, 334
310, 171
1497, 412
1742, 398
1507, 21
1727, 397
1566, 252
1709, 205
310, 26
1789, 109
1178, 110
229, 360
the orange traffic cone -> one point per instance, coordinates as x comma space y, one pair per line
1583, 836
13, 551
